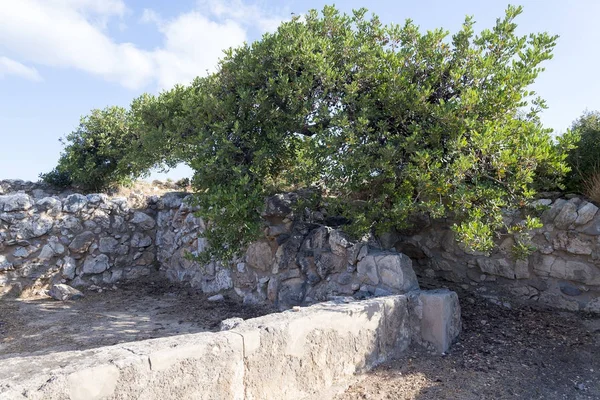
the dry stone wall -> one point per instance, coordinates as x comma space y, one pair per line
50, 237
563, 272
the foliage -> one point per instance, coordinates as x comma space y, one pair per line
387, 121
585, 159
92, 155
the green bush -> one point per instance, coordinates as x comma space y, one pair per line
92, 153
584, 160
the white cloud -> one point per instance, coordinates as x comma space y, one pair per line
12, 67
244, 14
71, 34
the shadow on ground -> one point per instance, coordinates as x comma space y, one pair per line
502, 353
136, 311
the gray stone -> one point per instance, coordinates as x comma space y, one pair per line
593, 306
259, 256
550, 214
568, 270
396, 272
230, 323
143, 220
221, 281
216, 298
5, 265
367, 270
74, 203
328, 263
15, 202
108, 245
46, 254
140, 240
566, 216
499, 267
585, 213
22, 252
96, 264
64, 292
437, 314
51, 205
339, 243
68, 268
569, 289
81, 243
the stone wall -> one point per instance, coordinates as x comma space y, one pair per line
300, 261
47, 237
306, 348
564, 271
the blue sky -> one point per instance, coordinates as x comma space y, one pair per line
61, 58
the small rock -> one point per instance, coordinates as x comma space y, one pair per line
216, 297
64, 292
230, 323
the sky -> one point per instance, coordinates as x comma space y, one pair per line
59, 59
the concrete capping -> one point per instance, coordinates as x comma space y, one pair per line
306, 353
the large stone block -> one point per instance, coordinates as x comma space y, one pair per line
436, 318
310, 352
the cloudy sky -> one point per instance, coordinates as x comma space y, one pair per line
61, 58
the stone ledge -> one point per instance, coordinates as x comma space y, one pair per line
304, 353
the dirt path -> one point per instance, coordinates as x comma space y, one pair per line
501, 354
137, 311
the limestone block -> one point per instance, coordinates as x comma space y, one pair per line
74, 203
15, 202
436, 318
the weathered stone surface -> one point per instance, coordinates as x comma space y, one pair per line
499, 267
259, 256
96, 264
396, 272
367, 270
566, 216
15, 202
64, 292
143, 220
108, 245
140, 240
74, 203
436, 318
5, 265
569, 270
68, 268
82, 242
51, 205
585, 213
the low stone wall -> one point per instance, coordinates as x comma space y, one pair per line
48, 237
563, 272
80, 240
308, 353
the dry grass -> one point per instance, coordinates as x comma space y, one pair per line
591, 187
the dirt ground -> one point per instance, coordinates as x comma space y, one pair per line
519, 353
139, 311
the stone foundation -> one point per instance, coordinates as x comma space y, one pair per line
305, 353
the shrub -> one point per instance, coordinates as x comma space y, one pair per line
92, 154
584, 160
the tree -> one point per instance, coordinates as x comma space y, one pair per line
387, 122
92, 155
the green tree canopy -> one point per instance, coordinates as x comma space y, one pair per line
387, 121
